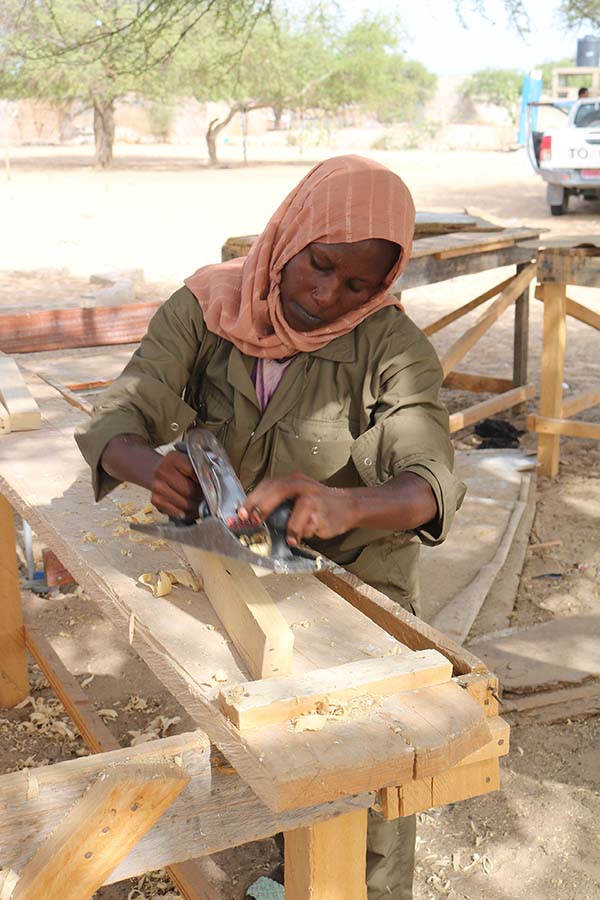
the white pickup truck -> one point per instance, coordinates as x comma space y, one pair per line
568, 158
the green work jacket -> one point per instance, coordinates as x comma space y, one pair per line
355, 413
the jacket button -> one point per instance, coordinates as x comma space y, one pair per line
174, 426
368, 461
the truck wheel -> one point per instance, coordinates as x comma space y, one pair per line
560, 194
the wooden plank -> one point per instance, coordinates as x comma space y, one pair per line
327, 861
259, 703
521, 339
545, 425
550, 706
427, 269
576, 404
466, 308
457, 616
473, 334
498, 745
414, 797
407, 628
14, 684
118, 808
23, 411
486, 408
583, 313
484, 688
451, 253
60, 329
249, 615
553, 361
570, 265
463, 782
478, 384
67, 393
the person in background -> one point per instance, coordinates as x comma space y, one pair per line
322, 391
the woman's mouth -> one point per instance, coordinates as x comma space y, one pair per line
304, 315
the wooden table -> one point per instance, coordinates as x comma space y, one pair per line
561, 262
97, 820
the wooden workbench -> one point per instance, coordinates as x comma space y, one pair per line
414, 750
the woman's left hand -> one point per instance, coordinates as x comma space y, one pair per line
319, 511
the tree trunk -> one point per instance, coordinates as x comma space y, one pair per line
214, 129
104, 131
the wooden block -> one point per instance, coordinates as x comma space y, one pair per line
486, 408
484, 688
14, 683
118, 808
55, 572
462, 782
251, 618
327, 861
259, 703
414, 797
390, 803
498, 745
23, 411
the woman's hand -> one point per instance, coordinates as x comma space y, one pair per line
319, 511
174, 488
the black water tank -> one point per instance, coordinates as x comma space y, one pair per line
588, 51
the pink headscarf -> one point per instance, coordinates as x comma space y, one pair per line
341, 200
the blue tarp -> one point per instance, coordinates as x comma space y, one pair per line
532, 91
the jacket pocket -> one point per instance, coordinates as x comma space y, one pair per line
322, 451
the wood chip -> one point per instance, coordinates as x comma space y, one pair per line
220, 676
8, 882
33, 786
310, 722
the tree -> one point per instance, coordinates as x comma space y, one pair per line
100, 50
315, 62
501, 87
576, 13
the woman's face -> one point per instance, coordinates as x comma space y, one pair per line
326, 281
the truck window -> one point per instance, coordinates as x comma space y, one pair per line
587, 116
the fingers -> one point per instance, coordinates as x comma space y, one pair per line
175, 488
306, 516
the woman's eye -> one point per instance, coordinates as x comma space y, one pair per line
322, 267
355, 288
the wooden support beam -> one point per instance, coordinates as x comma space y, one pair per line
553, 360
327, 861
545, 426
257, 703
117, 809
486, 408
575, 310
250, 616
507, 297
14, 684
466, 308
460, 251
579, 402
521, 339
62, 329
478, 384
15, 397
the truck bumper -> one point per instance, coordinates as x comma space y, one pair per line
569, 178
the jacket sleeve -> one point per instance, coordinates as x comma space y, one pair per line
409, 428
146, 399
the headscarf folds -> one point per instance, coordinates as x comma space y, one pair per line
341, 200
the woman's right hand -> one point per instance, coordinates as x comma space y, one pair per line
170, 479
175, 487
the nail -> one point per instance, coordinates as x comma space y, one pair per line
243, 514
257, 515
292, 541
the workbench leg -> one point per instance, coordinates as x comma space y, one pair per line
521, 340
327, 861
14, 685
553, 361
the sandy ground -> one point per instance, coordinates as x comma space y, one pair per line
163, 211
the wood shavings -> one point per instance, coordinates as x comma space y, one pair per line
89, 538
63, 730
33, 786
310, 722
157, 544
108, 715
87, 680
125, 552
159, 583
131, 630
157, 728
186, 578
136, 703
220, 676
120, 530
127, 509
234, 694
8, 882
304, 624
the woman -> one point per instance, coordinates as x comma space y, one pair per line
320, 388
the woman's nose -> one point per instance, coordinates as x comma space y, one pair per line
327, 292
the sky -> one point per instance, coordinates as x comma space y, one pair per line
438, 39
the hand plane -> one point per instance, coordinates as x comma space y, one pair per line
219, 529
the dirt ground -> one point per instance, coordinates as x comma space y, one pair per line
163, 212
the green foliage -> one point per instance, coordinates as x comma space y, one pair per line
502, 87
547, 67
576, 13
